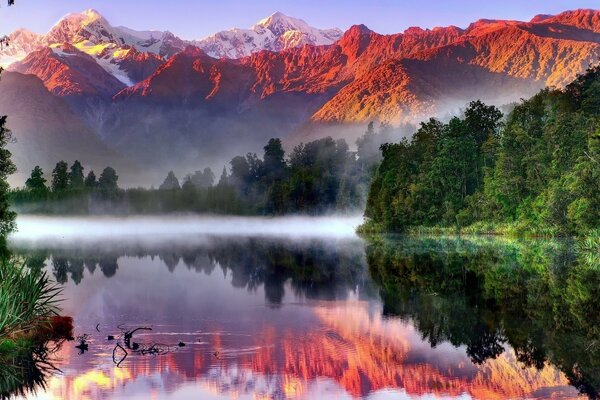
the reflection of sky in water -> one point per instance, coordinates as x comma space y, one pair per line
311, 344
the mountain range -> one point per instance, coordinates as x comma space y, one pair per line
161, 102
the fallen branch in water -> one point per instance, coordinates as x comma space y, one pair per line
136, 348
125, 354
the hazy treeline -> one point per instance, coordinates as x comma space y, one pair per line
317, 177
537, 171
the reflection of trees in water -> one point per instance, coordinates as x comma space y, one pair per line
537, 296
63, 267
108, 266
313, 268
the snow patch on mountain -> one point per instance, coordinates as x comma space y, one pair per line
108, 56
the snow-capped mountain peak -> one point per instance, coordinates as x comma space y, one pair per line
279, 23
275, 32
130, 55
126, 54
75, 27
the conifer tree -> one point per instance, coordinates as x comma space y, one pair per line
170, 183
108, 180
76, 180
90, 180
36, 182
60, 177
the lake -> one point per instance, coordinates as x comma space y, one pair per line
301, 308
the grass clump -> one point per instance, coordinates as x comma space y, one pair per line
28, 300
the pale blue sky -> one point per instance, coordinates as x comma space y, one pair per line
194, 19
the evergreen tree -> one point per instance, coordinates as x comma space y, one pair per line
76, 180
60, 177
170, 183
224, 179
275, 170
108, 180
90, 180
7, 168
240, 173
36, 182
273, 161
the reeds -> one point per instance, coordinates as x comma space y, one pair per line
28, 298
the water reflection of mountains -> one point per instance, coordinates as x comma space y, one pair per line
539, 298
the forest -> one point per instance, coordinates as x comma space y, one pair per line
535, 171
318, 177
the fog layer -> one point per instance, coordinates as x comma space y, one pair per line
86, 229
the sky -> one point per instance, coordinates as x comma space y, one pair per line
195, 19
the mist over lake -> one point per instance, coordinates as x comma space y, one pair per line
71, 230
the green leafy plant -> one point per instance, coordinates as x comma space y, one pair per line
28, 298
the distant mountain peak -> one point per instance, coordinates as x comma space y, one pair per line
81, 19
355, 40
279, 23
583, 18
358, 29
75, 27
540, 18
274, 33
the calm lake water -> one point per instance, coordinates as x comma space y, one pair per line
304, 309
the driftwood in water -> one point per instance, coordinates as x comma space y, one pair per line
137, 348
128, 345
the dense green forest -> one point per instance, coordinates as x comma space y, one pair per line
537, 171
317, 177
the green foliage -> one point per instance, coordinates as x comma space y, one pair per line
433, 178
170, 183
90, 181
76, 180
36, 183
27, 297
60, 177
7, 216
538, 171
26, 366
108, 181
